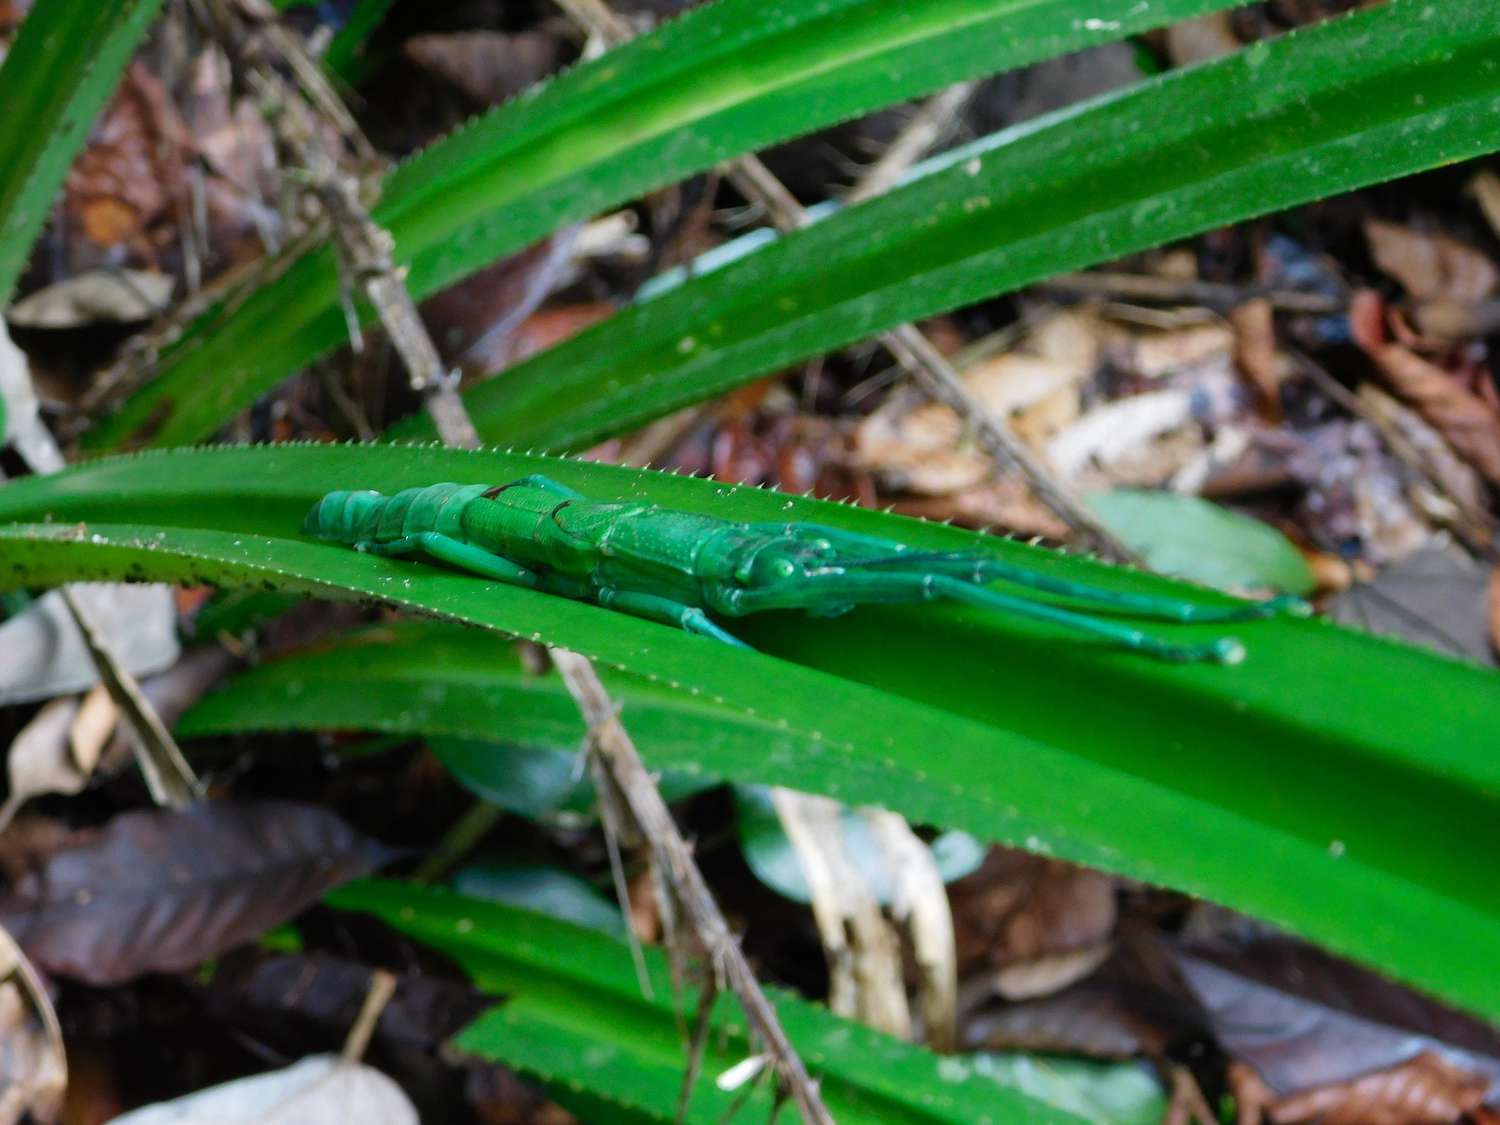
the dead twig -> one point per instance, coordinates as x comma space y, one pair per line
933, 121
366, 251
300, 115
609, 740
168, 775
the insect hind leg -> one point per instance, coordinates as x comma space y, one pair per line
463, 555
690, 619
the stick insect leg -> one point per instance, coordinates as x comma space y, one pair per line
547, 484
1140, 605
653, 608
1225, 650
466, 556
872, 586
878, 554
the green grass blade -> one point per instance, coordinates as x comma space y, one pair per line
722, 80
572, 994
1304, 786
60, 71
434, 678
1372, 96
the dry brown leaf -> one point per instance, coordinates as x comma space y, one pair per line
132, 172
1469, 423
1036, 389
1162, 352
97, 717
1255, 354
1035, 925
1123, 429
160, 891
1004, 503
1431, 266
1425, 1090
487, 66
1201, 39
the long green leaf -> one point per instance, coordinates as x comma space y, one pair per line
435, 678
573, 994
1339, 785
722, 80
59, 73
1372, 96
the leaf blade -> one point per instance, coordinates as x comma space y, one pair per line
711, 84
60, 71
1170, 774
1277, 124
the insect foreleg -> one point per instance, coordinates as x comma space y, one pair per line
980, 569
463, 555
653, 608
867, 587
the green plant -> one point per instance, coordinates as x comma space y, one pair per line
1306, 757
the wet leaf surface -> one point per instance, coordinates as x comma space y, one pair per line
160, 891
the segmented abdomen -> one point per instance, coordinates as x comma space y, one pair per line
370, 517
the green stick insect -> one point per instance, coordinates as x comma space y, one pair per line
679, 567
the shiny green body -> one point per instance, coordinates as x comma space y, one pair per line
681, 567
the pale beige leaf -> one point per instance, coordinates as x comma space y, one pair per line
319, 1090
41, 759
93, 297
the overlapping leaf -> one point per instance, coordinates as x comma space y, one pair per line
573, 993
725, 79
1301, 786
1375, 95
63, 66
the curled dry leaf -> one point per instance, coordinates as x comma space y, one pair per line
160, 891
56, 752
320, 1088
1471, 425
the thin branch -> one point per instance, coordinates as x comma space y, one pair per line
933, 121
168, 775
610, 741
300, 116
366, 250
